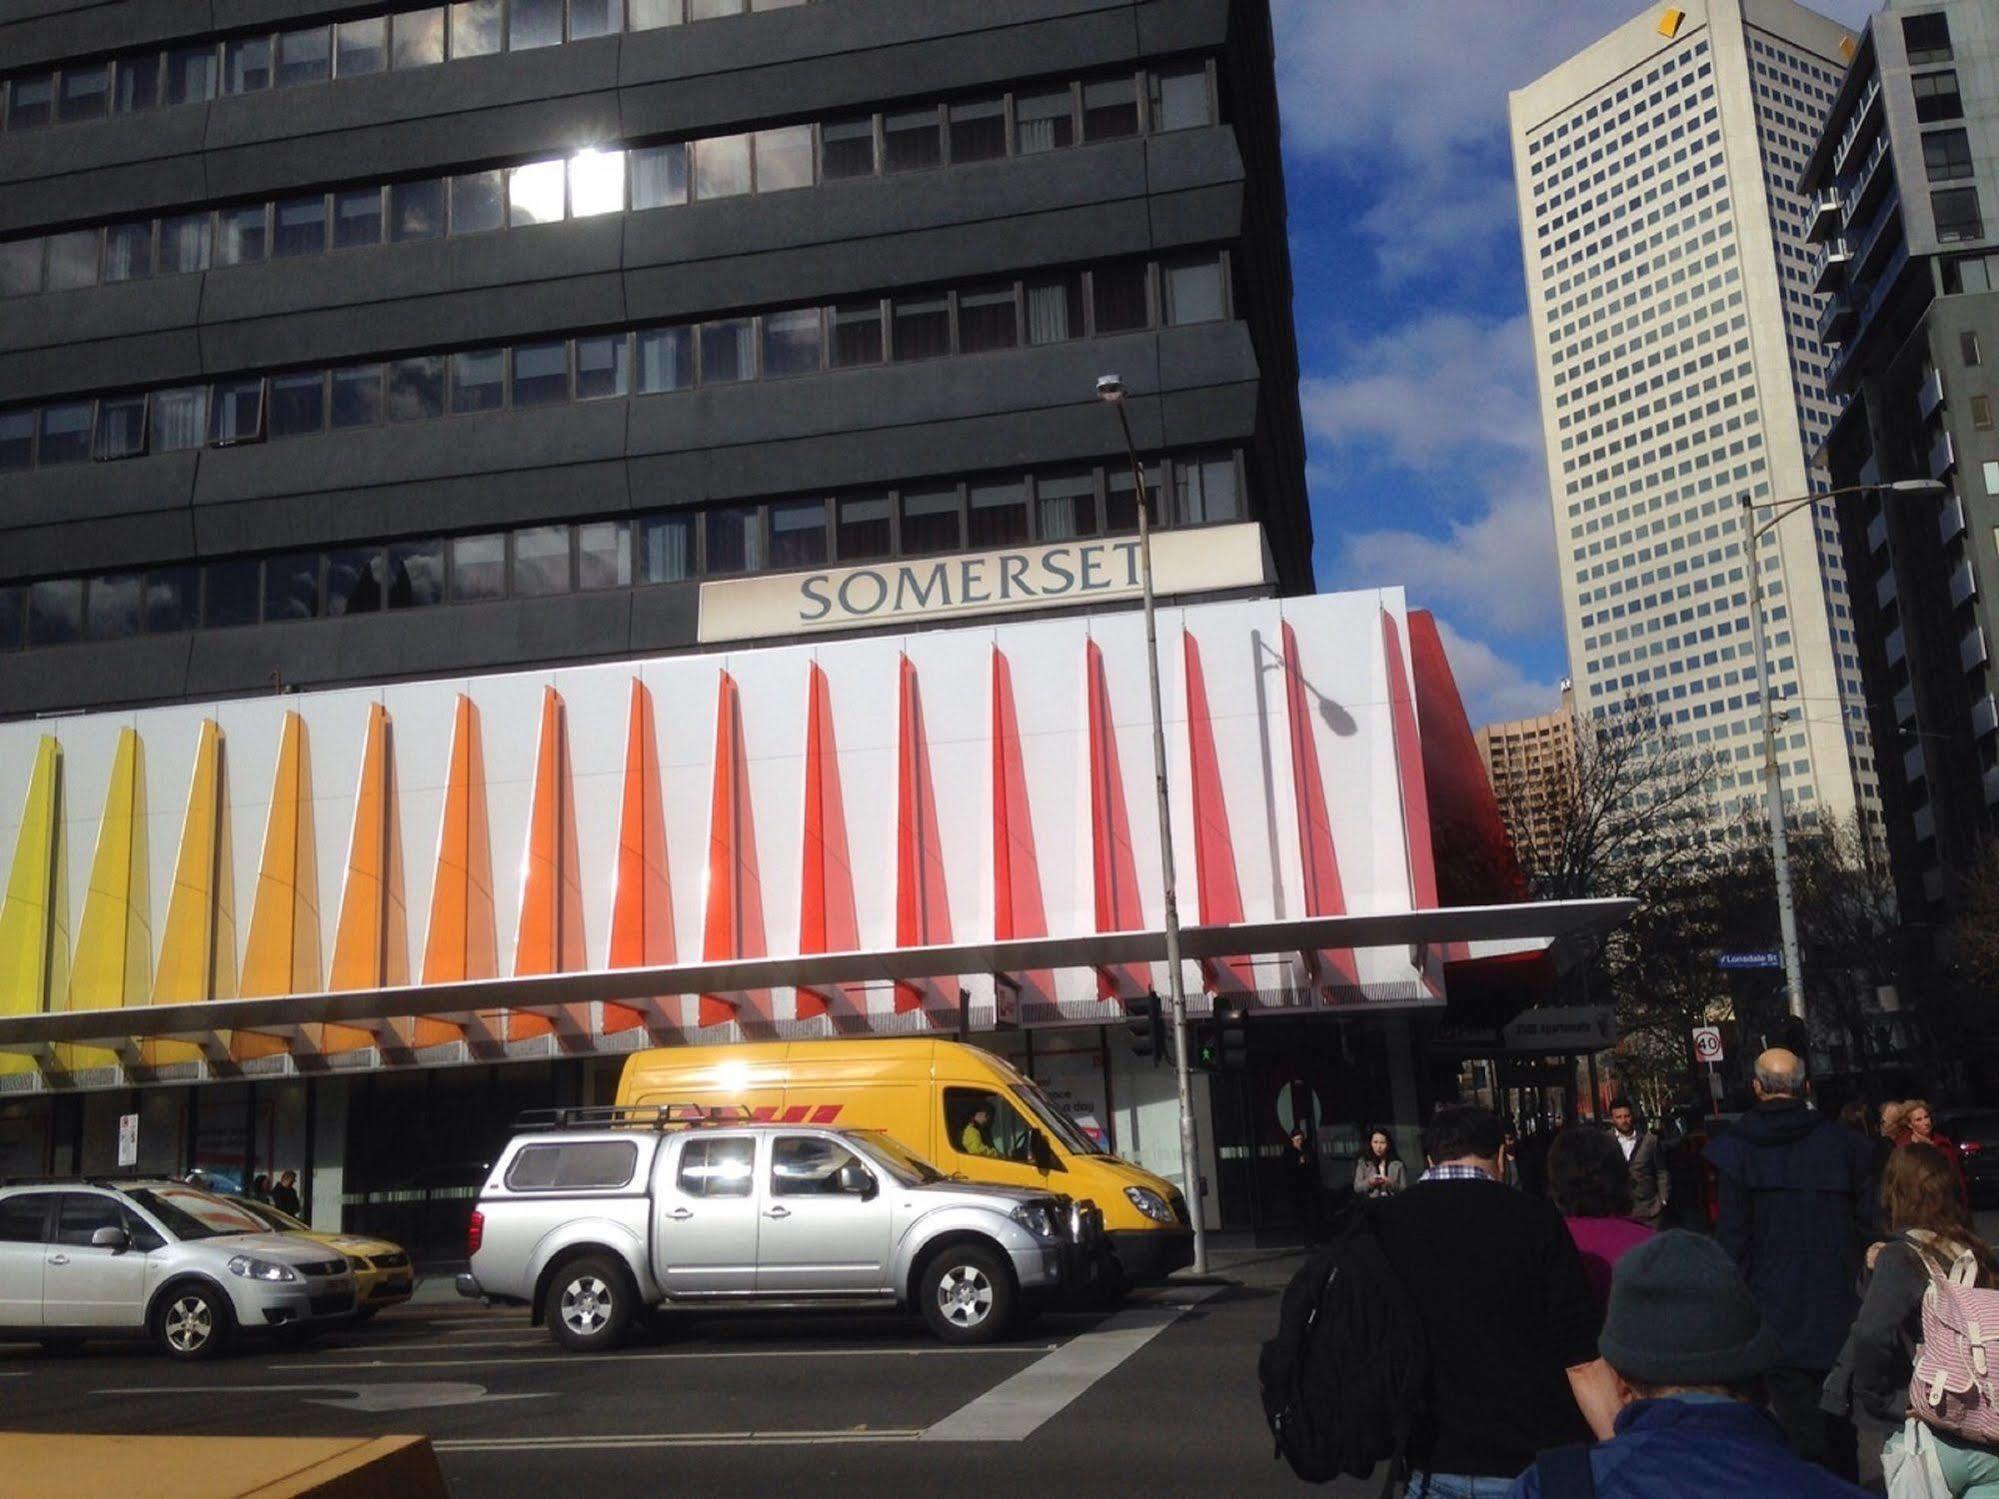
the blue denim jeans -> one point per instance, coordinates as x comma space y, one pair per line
1456, 1486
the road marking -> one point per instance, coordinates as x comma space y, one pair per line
1016, 1408
558, 1358
372, 1397
674, 1439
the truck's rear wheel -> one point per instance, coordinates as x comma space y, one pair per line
590, 1303
967, 1294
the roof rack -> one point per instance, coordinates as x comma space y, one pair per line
654, 1116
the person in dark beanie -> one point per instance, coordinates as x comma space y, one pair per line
1690, 1350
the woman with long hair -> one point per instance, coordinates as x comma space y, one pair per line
1895, 1122
1378, 1173
1925, 1213
1591, 1183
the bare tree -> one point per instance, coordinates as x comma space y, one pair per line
1974, 934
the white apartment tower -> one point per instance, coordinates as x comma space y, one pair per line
1675, 336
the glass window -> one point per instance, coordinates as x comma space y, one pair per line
534, 194
416, 210
541, 373
291, 587
478, 202
987, 319
357, 218
784, 158
85, 92
930, 521
666, 548
1967, 348
912, 139
810, 1166
728, 351
978, 130
24, 1218
73, 259
184, 243
534, 23
417, 37
659, 176
192, 74
477, 27
1117, 298
1044, 120
791, 342
236, 412
478, 567
361, 46
1193, 289
17, 440
31, 101
55, 611
596, 183
298, 403
416, 388
13, 609
1947, 155
354, 581
305, 56
1957, 215
20, 267
1110, 108
862, 527
1055, 308
721, 166
121, 427
645, 15
179, 419
478, 380
998, 512
1204, 490
797, 533
357, 396
857, 333
717, 1165
241, 236
588, 18
541, 561
666, 359
1066, 504
713, 10
136, 84
735, 542
603, 367
299, 227
1180, 97
246, 65
604, 554
579, 1167
1120, 513
128, 251
66, 432
172, 598
847, 149
416, 573
231, 594
922, 326
1937, 97
111, 609
1927, 37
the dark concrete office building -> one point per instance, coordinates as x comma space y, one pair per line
1905, 182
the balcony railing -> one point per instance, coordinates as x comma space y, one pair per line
1877, 528
1929, 395
1914, 765
1971, 649
1836, 320
1905, 706
1962, 584
1992, 786
1863, 114
1925, 820
1896, 646
1950, 524
1826, 211
1884, 587
1830, 263
1984, 716
1943, 456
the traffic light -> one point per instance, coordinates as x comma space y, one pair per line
1234, 1043
1208, 1046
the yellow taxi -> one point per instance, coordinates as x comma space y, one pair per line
383, 1275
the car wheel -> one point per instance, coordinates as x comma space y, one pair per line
590, 1304
193, 1321
967, 1295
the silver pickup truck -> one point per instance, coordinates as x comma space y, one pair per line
605, 1212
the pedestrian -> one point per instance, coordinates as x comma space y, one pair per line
1591, 1184
1301, 1168
1651, 1182
1511, 1175
284, 1196
1379, 1173
1922, 1129
1931, 1229
1495, 1281
1689, 1350
260, 1187
1895, 1122
1793, 1212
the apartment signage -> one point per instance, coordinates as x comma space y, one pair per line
1044, 576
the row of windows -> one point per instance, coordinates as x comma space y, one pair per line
1579, 121
196, 72
1123, 297
914, 520
1022, 122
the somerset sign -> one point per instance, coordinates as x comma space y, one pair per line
1045, 576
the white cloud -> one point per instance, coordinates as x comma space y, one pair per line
1497, 568
1493, 688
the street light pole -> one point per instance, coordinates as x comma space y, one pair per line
1111, 389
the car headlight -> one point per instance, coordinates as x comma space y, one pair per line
1149, 1203
1038, 1219
251, 1268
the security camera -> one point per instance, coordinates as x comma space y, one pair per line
1110, 387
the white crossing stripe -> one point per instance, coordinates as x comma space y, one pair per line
556, 1357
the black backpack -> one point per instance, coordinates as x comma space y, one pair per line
1343, 1379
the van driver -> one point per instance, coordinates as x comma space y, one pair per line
977, 1138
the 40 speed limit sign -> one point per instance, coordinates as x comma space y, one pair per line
1707, 1043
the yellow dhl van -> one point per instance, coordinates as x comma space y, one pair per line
926, 1094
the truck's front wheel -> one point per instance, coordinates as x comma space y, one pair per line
590, 1303
967, 1294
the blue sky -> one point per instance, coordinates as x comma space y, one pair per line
1420, 406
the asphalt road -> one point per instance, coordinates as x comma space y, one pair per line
1158, 1398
